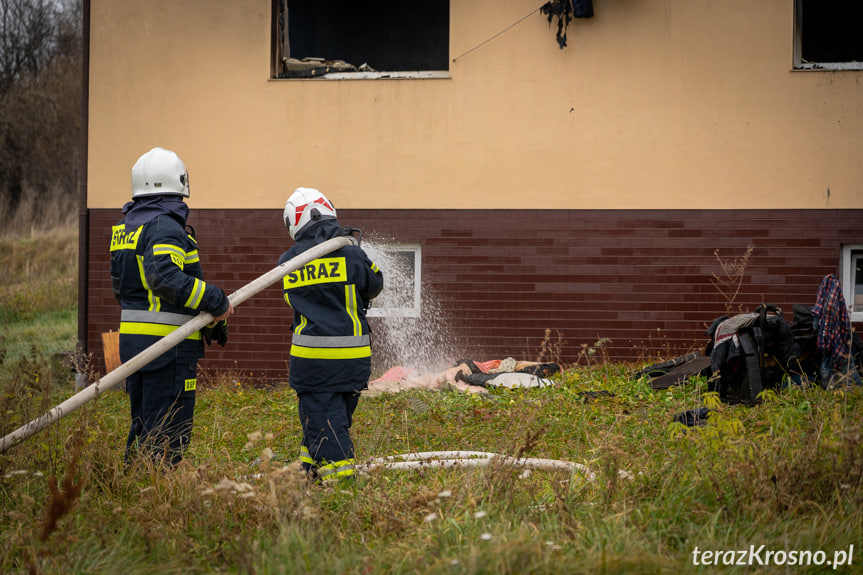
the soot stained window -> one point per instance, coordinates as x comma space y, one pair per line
360, 38
828, 34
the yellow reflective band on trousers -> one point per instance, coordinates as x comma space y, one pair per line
331, 352
337, 469
305, 456
156, 329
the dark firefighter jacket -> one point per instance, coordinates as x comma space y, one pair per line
331, 340
157, 278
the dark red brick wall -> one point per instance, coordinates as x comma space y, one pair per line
501, 278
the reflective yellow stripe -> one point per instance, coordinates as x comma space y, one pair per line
155, 303
336, 469
192, 257
178, 256
197, 294
351, 308
157, 329
305, 456
375, 267
287, 300
331, 352
303, 323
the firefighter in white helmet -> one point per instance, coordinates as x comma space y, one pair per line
157, 279
330, 359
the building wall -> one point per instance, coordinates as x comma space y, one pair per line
495, 280
654, 104
583, 191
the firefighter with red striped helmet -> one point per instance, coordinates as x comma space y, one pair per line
330, 356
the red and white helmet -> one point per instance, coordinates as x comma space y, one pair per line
305, 206
160, 172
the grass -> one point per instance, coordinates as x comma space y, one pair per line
39, 292
786, 474
53, 332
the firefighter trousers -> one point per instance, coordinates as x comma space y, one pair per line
162, 405
326, 417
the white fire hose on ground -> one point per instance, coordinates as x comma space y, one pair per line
464, 459
169, 341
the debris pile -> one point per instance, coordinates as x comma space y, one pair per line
467, 376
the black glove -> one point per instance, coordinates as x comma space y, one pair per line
218, 332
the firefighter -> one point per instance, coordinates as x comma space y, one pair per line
157, 279
330, 358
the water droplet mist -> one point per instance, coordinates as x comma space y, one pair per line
409, 327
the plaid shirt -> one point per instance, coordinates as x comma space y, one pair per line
833, 322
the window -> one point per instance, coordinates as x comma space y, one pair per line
827, 35
360, 39
852, 279
402, 269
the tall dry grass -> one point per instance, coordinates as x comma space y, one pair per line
40, 272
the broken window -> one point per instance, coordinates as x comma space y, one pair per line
401, 265
365, 38
852, 279
827, 35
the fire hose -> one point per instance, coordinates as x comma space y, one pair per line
464, 459
169, 341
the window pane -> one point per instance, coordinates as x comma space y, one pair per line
400, 264
399, 280
857, 280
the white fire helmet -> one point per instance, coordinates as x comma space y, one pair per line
160, 172
305, 206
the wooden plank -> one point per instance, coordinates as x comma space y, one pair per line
111, 349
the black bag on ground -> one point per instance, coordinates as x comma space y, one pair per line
809, 357
749, 353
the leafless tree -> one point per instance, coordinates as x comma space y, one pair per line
40, 95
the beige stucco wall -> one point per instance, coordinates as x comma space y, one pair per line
654, 104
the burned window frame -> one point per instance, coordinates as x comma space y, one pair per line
800, 61
430, 44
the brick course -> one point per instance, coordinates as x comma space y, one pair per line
502, 277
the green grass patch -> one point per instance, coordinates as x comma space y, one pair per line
786, 474
48, 334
